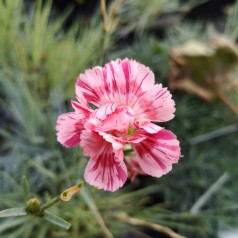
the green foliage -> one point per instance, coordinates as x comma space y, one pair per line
39, 63
140, 14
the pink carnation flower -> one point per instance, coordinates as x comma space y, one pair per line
133, 167
127, 100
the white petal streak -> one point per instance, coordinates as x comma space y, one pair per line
150, 127
69, 127
120, 81
156, 105
104, 172
158, 152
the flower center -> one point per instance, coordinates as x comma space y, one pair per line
131, 130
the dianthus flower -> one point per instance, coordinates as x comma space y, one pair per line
116, 106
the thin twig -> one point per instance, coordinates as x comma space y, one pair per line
113, 11
226, 100
104, 14
139, 222
87, 198
208, 194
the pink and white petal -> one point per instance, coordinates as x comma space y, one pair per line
119, 141
99, 115
119, 155
79, 109
82, 100
93, 86
129, 80
116, 142
133, 167
150, 127
69, 127
92, 143
158, 152
103, 172
121, 81
103, 112
92, 124
156, 105
120, 120
111, 118
138, 136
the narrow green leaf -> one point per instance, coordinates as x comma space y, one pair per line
56, 220
41, 233
11, 182
24, 230
12, 223
13, 212
47, 173
26, 188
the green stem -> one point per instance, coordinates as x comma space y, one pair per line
49, 204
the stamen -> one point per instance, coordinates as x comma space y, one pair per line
131, 130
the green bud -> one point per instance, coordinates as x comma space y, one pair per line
33, 206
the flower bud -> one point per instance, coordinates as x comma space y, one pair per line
33, 206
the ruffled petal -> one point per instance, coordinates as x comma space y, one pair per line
93, 86
156, 105
116, 142
69, 127
103, 112
79, 109
92, 143
81, 99
119, 155
133, 167
119, 141
157, 152
121, 81
128, 80
150, 127
105, 169
104, 172
111, 117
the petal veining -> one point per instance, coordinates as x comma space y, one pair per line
120, 81
92, 143
150, 127
155, 105
115, 109
103, 172
111, 118
69, 127
158, 152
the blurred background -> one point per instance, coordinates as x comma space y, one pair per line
191, 46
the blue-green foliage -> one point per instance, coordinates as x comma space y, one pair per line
39, 63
